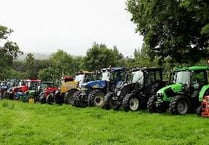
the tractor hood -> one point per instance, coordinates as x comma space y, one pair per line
95, 84
169, 91
174, 87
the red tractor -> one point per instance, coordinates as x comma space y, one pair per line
47, 92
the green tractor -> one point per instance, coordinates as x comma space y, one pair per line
184, 94
31, 95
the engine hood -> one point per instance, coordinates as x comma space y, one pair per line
95, 84
175, 87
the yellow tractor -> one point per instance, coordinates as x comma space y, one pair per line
68, 83
71, 84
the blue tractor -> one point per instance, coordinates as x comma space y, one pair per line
92, 93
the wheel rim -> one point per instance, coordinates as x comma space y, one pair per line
114, 104
31, 100
182, 107
134, 104
99, 100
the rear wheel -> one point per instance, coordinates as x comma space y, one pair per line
69, 97
199, 111
179, 105
114, 104
106, 104
96, 98
49, 99
79, 99
151, 107
42, 98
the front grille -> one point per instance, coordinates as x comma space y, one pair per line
169, 92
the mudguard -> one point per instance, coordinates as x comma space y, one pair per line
202, 92
107, 96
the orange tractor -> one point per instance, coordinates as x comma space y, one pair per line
203, 110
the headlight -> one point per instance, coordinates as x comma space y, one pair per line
159, 95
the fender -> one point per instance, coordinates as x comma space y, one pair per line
108, 95
128, 96
202, 92
72, 90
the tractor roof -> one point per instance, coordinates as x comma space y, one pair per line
148, 69
112, 69
152, 68
33, 80
84, 72
192, 68
47, 82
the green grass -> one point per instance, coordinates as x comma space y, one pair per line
42, 124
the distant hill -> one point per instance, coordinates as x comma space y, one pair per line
38, 56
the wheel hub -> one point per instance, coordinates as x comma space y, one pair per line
182, 107
134, 104
99, 100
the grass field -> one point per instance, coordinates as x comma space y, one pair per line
38, 124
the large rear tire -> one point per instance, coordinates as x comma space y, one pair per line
179, 105
69, 97
151, 106
50, 99
96, 98
199, 111
79, 100
107, 98
42, 98
114, 104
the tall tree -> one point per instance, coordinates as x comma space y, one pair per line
100, 56
8, 51
61, 63
175, 28
31, 72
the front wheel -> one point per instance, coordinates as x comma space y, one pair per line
179, 105
96, 98
131, 102
31, 100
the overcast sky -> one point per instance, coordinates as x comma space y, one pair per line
44, 26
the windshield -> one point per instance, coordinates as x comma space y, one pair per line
138, 77
182, 77
79, 77
106, 75
45, 85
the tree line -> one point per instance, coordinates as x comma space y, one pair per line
175, 32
